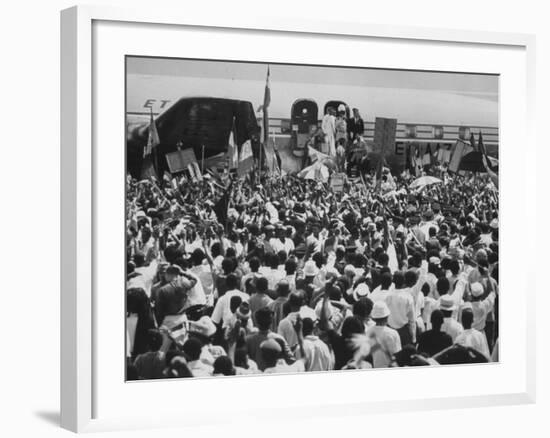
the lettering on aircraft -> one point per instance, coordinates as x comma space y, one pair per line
149, 103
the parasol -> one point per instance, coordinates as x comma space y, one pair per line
424, 181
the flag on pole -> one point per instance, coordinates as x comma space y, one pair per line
264, 107
487, 162
246, 159
460, 149
153, 138
148, 169
232, 149
221, 207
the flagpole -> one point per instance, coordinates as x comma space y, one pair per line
155, 156
202, 161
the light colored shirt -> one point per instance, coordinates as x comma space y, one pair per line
401, 305
222, 311
200, 369
317, 355
145, 279
196, 295
474, 339
204, 273
481, 309
385, 343
452, 327
379, 294
283, 367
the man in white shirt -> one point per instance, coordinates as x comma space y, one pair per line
450, 325
402, 312
222, 312
317, 355
328, 126
481, 307
471, 337
143, 275
380, 293
385, 341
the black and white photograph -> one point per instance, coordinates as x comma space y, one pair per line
289, 218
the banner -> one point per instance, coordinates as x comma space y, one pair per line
337, 182
178, 161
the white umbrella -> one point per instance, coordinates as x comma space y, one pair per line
424, 181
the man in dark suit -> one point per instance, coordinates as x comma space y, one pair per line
356, 126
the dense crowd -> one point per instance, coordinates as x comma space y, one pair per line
293, 276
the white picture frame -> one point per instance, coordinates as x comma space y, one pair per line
82, 367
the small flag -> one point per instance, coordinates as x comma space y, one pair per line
220, 208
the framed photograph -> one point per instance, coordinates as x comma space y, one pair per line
250, 208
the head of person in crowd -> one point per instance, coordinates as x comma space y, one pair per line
310, 270
295, 301
154, 339
223, 366
291, 266
177, 366
308, 325
467, 318
411, 278
216, 249
443, 286
264, 318
271, 352
380, 313
192, 349
398, 279
232, 282
254, 264
477, 291
386, 281
283, 288
363, 308
262, 285
351, 326
234, 303
447, 306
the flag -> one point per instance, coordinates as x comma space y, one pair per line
427, 158
473, 141
153, 138
456, 157
264, 107
220, 208
232, 149
487, 162
246, 159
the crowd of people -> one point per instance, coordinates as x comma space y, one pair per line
293, 276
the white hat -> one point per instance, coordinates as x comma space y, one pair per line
494, 224
434, 260
380, 310
341, 107
310, 269
361, 291
477, 289
446, 302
